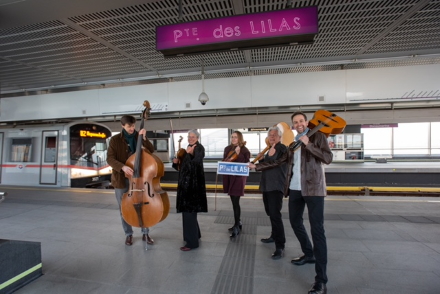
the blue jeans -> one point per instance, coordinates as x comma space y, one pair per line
128, 230
315, 207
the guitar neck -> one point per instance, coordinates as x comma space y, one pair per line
315, 129
311, 132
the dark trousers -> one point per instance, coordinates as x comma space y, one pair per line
273, 203
191, 229
315, 207
237, 210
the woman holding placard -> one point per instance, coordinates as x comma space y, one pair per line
234, 185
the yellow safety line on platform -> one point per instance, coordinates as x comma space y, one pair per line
403, 189
254, 188
333, 188
20, 276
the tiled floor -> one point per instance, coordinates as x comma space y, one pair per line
375, 245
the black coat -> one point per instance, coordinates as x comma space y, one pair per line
191, 188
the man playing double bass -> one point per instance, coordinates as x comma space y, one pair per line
305, 185
121, 147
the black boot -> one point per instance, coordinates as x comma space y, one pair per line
235, 231
240, 226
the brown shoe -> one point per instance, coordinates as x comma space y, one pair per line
129, 240
146, 237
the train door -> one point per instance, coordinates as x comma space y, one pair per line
1, 155
49, 158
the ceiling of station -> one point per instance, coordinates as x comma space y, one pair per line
57, 45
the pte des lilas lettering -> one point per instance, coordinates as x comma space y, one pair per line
263, 27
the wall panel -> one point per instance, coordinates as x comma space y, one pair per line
253, 94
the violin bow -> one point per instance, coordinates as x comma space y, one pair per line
173, 148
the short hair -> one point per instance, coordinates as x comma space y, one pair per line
194, 131
298, 113
240, 137
280, 133
127, 119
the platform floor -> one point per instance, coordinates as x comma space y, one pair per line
375, 245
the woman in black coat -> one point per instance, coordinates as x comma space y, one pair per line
191, 190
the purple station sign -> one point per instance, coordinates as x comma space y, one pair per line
246, 31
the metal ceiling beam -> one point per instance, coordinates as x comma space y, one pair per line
40, 68
394, 25
238, 7
107, 44
16, 13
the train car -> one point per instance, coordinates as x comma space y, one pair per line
55, 155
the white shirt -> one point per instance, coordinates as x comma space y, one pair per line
295, 183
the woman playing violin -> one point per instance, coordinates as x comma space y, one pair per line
234, 185
191, 190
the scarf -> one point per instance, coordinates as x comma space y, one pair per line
302, 134
131, 140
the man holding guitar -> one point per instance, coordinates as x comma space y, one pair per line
305, 185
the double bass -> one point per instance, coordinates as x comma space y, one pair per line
324, 121
145, 203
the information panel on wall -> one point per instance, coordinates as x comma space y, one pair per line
246, 31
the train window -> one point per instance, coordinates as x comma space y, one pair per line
435, 138
405, 147
50, 151
21, 150
214, 141
88, 145
161, 145
377, 141
253, 142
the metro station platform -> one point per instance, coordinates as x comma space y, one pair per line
375, 245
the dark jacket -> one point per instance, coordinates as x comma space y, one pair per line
234, 185
313, 156
117, 154
191, 187
273, 177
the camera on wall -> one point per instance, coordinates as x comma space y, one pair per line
203, 98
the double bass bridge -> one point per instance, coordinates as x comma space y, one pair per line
137, 190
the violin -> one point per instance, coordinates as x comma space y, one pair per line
232, 155
324, 121
180, 154
145, 203
261, 154
286, 138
